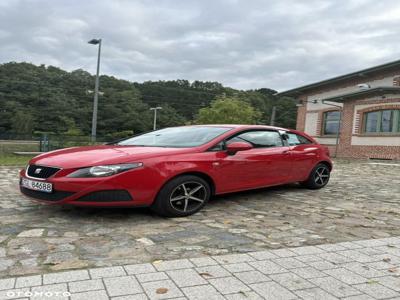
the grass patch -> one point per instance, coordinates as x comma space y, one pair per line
9, 147
14, 160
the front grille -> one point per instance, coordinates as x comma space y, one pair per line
54, 196
106, 196
41, 172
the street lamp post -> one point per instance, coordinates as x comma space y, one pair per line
273, 113
96, 89
155, 116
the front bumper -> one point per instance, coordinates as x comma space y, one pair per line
49, 197
107, 191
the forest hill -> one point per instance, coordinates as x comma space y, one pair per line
35, 99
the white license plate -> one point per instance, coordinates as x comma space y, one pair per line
37, 185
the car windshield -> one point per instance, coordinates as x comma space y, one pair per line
176, 137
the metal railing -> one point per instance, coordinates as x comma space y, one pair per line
12, 144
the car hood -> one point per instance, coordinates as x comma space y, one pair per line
79, 157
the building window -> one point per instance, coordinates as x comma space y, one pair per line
371, 121
396, 81
331, 122
382, 121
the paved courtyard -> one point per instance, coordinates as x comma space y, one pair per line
367, 269
361, 202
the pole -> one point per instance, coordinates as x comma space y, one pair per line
155, 116
338, 133
273, 113
155, 120
96, 96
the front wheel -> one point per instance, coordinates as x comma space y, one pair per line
319, 177
182, 196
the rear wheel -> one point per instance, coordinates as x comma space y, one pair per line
319, 177
182, 196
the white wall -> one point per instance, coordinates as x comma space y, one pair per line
375, 140
326, 141
319, 105
311, 123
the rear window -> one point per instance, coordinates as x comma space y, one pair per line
296, 139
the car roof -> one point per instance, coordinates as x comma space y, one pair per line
240, 126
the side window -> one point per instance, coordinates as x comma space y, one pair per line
296, 139
303, 140
217, 147
259, 138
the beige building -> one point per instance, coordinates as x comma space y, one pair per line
356, 115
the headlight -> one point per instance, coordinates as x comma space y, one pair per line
103, 171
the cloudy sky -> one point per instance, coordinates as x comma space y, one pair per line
242, 43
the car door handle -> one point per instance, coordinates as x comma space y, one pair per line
286, 152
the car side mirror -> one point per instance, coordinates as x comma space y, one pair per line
234, 147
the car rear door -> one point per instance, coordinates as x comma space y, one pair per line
264, 165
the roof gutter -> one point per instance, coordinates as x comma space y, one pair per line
366, 92
363, 73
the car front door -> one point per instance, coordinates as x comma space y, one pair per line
303, 154
265, 164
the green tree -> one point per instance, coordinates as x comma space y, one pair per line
60, 102
286, 112
22, 123
168, 116
264, 100
185, 97
228, 111
71, 129
123, 111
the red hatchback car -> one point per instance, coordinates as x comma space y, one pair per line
176, 170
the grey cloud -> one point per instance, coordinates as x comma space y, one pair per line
243, 44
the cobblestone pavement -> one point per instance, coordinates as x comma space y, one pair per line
367, 269
361, 202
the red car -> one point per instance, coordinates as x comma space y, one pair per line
176, 170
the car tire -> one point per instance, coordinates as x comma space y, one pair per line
318, 178
182, 196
